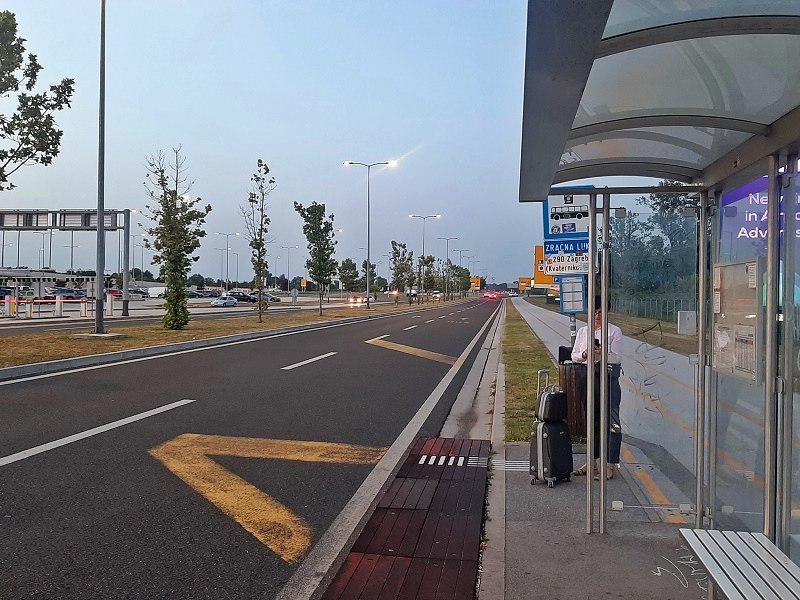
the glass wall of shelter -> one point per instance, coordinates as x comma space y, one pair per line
737, 417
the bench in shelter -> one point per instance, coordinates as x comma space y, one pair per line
744, 565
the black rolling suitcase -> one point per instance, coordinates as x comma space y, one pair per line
551, 443
551, 452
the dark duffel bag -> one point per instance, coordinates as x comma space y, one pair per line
552, 406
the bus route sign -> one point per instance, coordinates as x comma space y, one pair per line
566, 257
566, 217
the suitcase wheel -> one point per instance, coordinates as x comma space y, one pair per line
550, 483
533, 480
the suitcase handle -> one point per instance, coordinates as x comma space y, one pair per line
539, 375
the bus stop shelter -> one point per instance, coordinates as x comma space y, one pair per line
702, 96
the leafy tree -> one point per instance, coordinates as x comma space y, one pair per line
426, 267
177, 230
402, 266
362, 281
460, 278
256, 223
29, 135
318, 230
197, 280
348, 274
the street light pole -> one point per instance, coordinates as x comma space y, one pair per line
390, 163
3, 257
141, 271
71, 247
141, 264
388, 270
288, 254
460, 252
221, 271
421, 274
227, 263
236, 254
446, 261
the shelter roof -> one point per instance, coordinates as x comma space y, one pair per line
698, 91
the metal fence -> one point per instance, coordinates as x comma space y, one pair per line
662, 309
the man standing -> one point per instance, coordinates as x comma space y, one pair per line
579, 354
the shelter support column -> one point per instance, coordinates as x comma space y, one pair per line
700, 454
590, 381
785, 412
604, 379
771, 384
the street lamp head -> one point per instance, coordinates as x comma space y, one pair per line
392, 163
347, 163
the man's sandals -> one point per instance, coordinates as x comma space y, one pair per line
582, 471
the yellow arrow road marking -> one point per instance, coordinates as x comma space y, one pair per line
442, 358
269, 521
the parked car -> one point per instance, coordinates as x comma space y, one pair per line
65, 293
242, 297
224, 301
143, 292
114, 292
267, 296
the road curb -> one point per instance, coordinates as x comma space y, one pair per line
493, 560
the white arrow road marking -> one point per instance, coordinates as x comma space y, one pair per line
306, 362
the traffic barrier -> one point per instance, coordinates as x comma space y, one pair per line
109, 312
84, 307
58, 309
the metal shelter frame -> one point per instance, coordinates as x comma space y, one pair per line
583, 118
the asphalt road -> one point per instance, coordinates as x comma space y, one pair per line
147, 510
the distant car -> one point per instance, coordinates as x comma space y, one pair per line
512, 294
242, 297
224, 301
553, 294
436, 294
490, 295
143, 292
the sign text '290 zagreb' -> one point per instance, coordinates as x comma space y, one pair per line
566, 256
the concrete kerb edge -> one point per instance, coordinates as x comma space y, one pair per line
45, 368
492, 582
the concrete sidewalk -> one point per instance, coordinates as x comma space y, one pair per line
536, 545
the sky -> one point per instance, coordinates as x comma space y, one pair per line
303, 85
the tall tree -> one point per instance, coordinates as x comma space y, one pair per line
256, 223
29, 135
402, 266
177, 230
372, 276
348, 274
319, 232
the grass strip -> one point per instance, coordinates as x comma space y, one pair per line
523, 355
